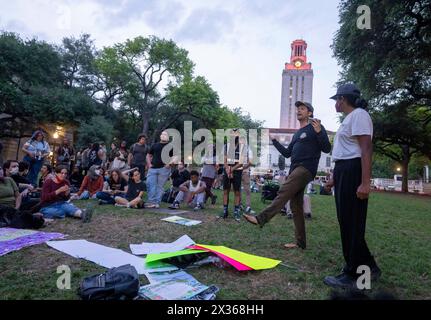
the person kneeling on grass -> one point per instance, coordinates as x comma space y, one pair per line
91, 185
135, 192
192, 192
55, 195
115, 187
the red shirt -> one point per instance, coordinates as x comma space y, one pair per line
93, 186
48, 192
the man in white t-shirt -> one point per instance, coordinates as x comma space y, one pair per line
352, 154
192, 192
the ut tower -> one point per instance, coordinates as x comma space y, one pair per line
297, 84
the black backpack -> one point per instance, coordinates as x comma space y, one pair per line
119, 283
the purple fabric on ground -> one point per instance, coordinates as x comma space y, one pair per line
15, 239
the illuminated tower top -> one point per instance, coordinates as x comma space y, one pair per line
298, 57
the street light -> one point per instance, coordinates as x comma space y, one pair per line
55, 135
398, 169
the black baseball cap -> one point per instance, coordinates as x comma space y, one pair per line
308, 105
348, 89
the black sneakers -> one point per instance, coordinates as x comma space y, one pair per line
237, 216
174, 205
87, 214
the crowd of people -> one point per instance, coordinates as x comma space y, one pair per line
32, 192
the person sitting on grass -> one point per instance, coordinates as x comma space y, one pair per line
55, 196
134, 194
76, 179
192, 192
45, 174
18, 172
9, 192
92, 183
115, 187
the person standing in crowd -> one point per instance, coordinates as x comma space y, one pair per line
36, 150
116, 187
192, 192
78, 159
85, 159
65, 153
55, 195
92, 183
103, 155
121, 157
94, 156
158, 172
209, 173
305, 149
352, 154
232, 175
134, 193
112, 154
137, 158
245, 181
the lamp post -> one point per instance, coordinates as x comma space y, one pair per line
55, 135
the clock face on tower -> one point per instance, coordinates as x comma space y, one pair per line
298, 63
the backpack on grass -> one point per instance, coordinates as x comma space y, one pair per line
116, 284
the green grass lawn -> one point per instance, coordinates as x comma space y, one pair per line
398, 234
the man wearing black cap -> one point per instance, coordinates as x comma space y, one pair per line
305, 150
352, 154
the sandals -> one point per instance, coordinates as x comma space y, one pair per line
250, 218
291, 246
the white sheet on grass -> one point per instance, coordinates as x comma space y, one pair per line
157, 247
105, 256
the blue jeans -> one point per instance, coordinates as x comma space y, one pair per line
33, 171
86, 195
156, 179
59, 210
105, 196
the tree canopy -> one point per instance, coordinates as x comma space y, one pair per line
145, 84
391, 64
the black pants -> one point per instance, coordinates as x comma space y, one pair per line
352, 215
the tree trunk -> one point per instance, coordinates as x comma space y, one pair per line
145, 123
405, 168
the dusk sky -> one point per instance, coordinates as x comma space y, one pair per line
240, 46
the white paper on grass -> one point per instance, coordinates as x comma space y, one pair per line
157, 247
105, 256
182, 221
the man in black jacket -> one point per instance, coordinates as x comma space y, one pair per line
305, 150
